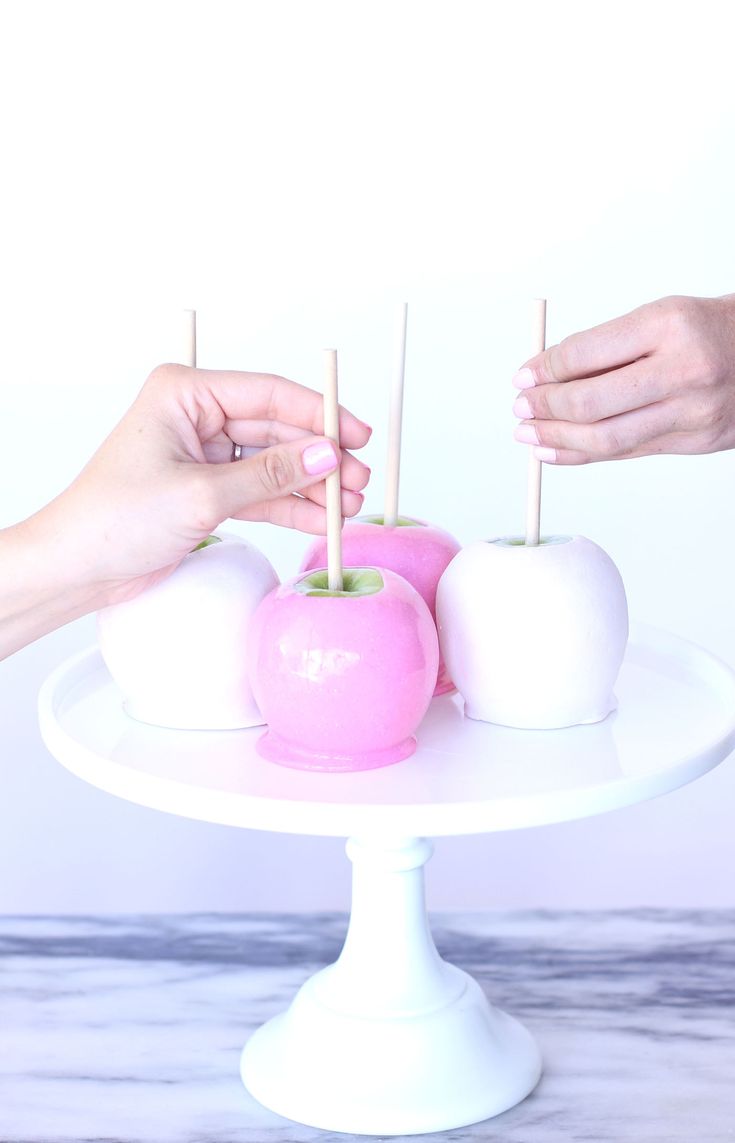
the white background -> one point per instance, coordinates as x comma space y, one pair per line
292, 170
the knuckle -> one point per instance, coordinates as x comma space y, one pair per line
266, 512
202, 500
707, 366
276, 471
606, 440
565, 353
272, 432
539, 403
689, 322
713, 429
561, 359
163, 375
580, 405
711, 439
679, 314
699, 419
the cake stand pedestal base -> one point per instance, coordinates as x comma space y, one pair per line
390, 1039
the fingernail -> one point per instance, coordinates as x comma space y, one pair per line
522, 409
526, 434
524, 379
546, 454
319, 458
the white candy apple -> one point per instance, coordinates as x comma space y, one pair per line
178, 650
533, 636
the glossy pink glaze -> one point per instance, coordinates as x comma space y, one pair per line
343, 682
420, 554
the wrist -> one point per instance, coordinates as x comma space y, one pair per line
44, 585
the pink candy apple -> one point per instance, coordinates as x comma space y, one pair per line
418, 551
343, 678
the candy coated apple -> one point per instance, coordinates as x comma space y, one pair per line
414, 549
534, 636
343, 678
177, 651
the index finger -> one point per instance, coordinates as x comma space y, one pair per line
224, 395
598, 350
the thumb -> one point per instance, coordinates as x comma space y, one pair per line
272, 473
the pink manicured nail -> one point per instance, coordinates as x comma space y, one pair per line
524, 379
319, 458
522, 409
547, 454
526, 434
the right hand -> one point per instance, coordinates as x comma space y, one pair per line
658, 380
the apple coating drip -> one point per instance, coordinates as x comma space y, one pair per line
355, 581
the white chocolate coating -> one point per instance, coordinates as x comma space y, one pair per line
533, 637
178, 650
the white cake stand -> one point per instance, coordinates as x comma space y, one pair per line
391, 1039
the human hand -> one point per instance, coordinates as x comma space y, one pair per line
658, 380
163, 480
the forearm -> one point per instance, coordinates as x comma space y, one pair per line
40, 589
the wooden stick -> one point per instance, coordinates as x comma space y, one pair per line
395, 421
189, 342
333, 481
533, 502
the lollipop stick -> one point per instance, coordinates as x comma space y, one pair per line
189, 339
533, 502
395, 422
333, 481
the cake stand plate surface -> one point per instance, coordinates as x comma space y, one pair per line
675, 720
390, 1039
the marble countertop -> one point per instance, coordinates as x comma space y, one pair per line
129, 1029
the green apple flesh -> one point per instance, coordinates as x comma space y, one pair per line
205, 543
520, 542
356, 581
401, 521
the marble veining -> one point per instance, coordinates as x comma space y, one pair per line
129, 1029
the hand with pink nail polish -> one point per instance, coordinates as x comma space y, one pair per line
658, 380
163, 481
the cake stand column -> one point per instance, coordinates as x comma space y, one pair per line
390, 1039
